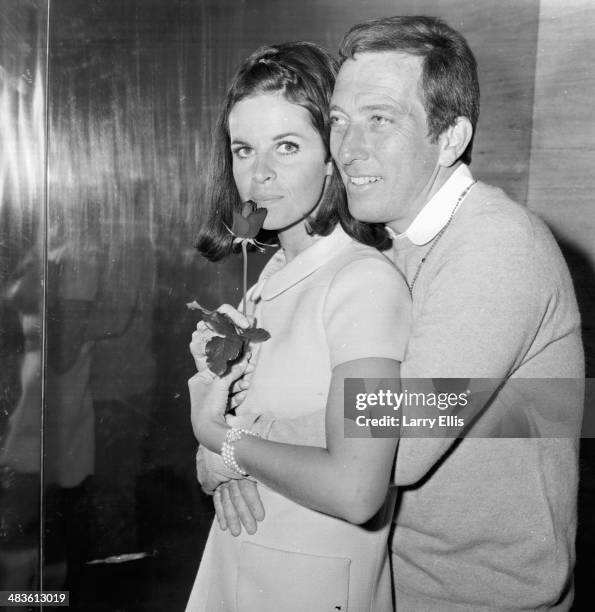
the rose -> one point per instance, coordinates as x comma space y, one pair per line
229, 341
244, 229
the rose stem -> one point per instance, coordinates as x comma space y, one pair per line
245, 261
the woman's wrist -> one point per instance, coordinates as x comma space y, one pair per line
208, 401
212, 435
228, 450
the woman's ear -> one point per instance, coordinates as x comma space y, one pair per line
454, 140
329, 167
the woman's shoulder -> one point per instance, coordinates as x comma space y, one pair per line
368, 272
367, 307
357, 262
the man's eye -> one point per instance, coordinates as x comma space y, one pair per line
336, 121
380, 120
288, 148
242, 152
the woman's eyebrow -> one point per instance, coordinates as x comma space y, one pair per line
236, 141
286, 135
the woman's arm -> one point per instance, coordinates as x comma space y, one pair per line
348, 479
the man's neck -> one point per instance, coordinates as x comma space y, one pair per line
437, 180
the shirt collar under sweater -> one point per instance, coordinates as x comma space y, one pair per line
436, 213
278, 276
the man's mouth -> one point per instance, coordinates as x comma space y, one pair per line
364, 180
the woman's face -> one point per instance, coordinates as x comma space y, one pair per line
278, 158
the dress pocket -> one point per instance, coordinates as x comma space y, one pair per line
271, 580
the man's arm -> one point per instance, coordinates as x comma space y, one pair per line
486, 300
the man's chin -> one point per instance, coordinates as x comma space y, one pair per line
365, 211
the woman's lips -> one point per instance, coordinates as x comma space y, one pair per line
263, 201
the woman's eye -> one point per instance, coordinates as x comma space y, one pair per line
288, 148
242, 152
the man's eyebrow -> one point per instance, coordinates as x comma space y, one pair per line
379, 106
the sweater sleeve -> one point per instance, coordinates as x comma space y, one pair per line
484, 302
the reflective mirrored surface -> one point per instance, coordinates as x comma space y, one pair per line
128, 125
23, 55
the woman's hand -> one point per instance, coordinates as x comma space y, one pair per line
209, 396
204, 333
240, 387
198, 344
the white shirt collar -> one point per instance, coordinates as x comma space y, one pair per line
278, 276
436, 213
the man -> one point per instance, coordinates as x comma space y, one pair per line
481, 524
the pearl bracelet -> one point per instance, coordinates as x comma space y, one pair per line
228, 450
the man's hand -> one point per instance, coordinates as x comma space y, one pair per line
237, 505
211, 471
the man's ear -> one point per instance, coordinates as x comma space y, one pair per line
454, 140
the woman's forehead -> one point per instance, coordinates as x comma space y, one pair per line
266, 114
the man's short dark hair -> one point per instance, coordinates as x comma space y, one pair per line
450, 87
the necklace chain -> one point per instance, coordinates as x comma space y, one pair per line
439, 235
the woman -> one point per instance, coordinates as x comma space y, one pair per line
335, 309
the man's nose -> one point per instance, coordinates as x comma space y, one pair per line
263, 170
353, 145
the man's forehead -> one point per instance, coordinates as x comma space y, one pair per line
383, 68
383, 74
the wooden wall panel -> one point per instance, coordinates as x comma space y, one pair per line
562, 171
562, 165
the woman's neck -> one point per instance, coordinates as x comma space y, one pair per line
295, 239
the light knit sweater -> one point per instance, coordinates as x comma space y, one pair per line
489, 524
484, 524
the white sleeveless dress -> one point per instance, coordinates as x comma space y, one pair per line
336, 301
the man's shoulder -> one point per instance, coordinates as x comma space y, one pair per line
488, 215
491, 233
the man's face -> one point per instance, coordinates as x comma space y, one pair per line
379, 137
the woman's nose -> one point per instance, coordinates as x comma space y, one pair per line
263, 169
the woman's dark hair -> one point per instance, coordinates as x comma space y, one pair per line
450, 86
305, 74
